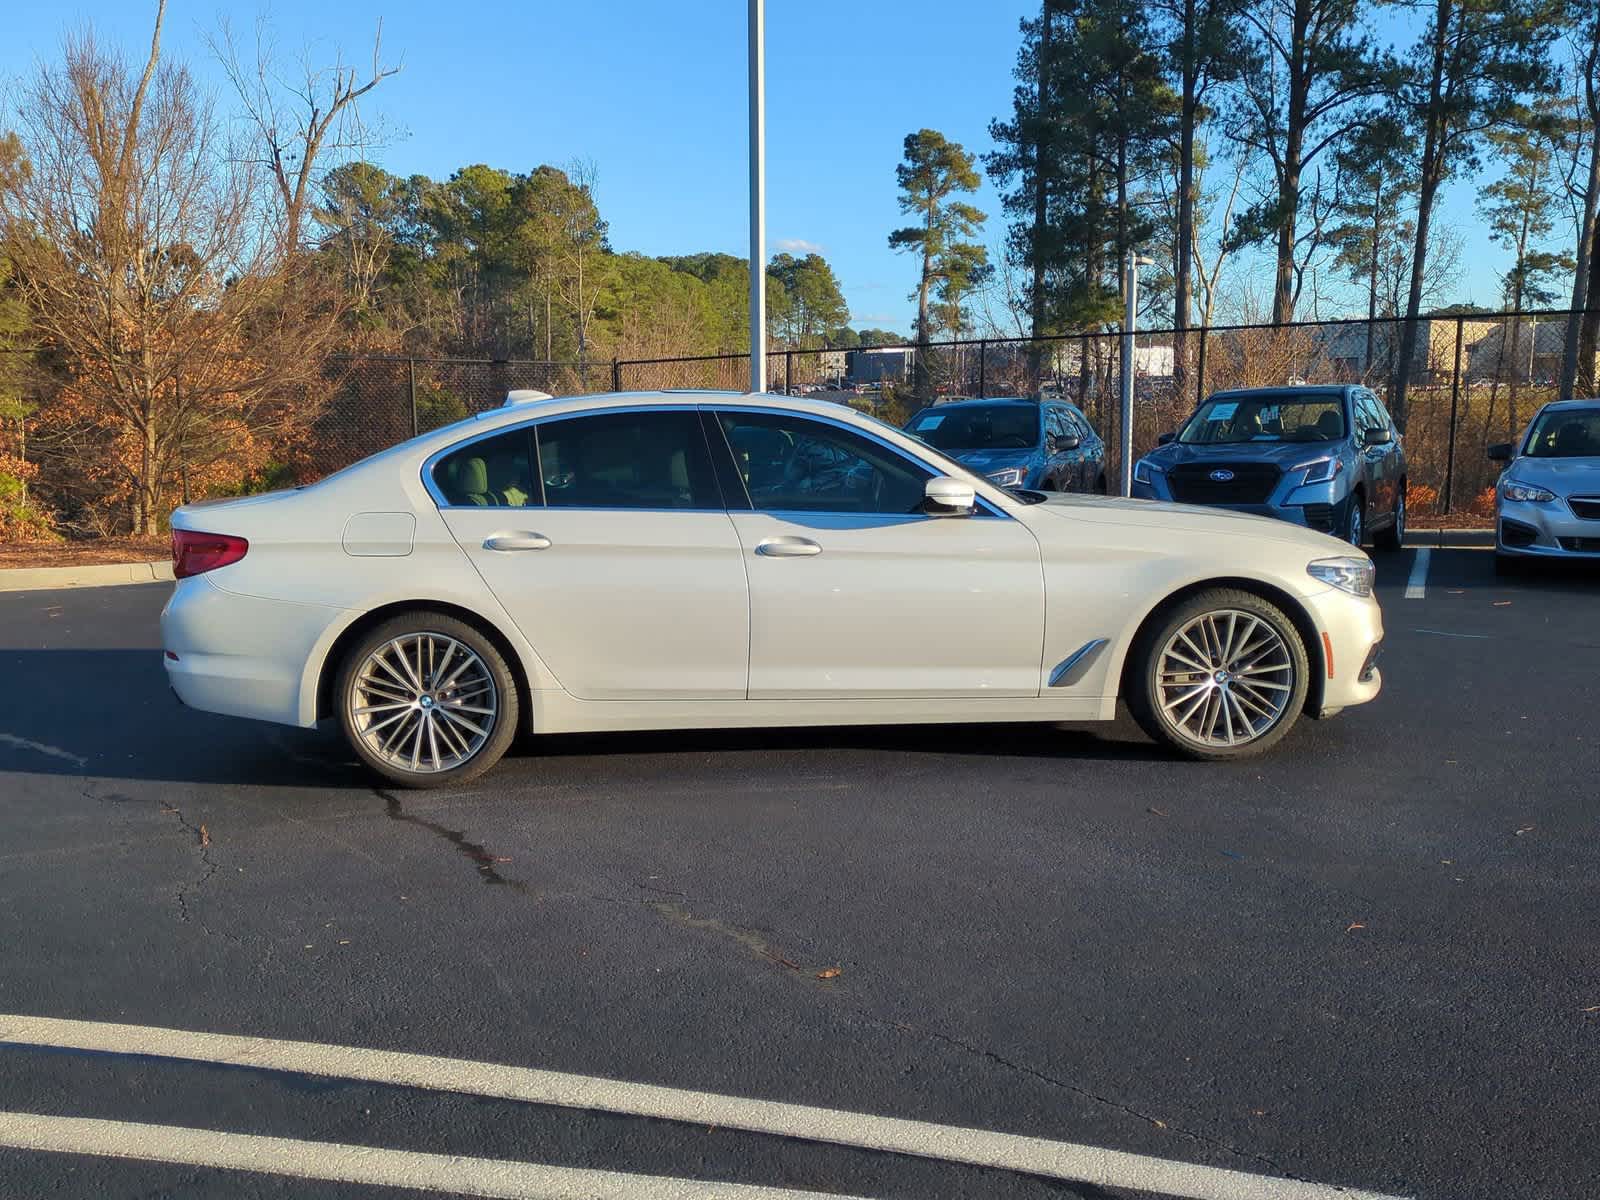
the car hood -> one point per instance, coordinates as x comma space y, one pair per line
1280, 454
1189, 520
1564, 476
990, 460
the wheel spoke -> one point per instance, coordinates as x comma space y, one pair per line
463, 722
433, 743
1225, 678
368, 709
423, 702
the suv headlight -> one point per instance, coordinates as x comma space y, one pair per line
1321, 471
1144, 471
1353, 575
1009, 477
1525, 492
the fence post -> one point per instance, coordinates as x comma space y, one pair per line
1455, 400
616, 375
1200, 375
788, 372
411, 372
983, 355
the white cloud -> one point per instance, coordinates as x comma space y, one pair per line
798, 246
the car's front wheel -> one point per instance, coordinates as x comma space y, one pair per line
1224, 675
1394, 537
426, 700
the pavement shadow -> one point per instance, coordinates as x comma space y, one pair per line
110, 714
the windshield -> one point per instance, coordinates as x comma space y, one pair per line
979, 427
1268, 418
1565, 433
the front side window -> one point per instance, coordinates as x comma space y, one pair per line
627, 460
1368, 415
1565, 433
1289, 417
978, 427
792, 464
494, 472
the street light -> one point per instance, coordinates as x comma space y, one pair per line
758, 196
1131, 290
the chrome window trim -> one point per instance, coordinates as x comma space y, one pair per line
989, 508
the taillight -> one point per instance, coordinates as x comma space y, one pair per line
194, 553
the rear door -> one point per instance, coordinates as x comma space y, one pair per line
605, 537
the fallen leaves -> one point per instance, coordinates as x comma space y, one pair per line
1502, 604
1354, 925
1524, 829
205, 837
1158, 812
829, 973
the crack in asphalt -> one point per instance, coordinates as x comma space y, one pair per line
1191, 1135
202, 841
671, 911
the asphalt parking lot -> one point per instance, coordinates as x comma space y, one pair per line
1369, 960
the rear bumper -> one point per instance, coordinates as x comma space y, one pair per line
242, 656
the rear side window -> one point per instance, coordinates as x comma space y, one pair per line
494, 472
627, 460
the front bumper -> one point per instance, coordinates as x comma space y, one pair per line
1352, 628
1324, 507
1549, 530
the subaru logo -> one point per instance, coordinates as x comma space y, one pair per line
1222, 475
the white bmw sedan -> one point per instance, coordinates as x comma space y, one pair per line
700, 560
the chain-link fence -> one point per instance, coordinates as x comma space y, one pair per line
1475, 380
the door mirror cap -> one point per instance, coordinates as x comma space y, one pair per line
1499, 452
1377, 437
1165, 439
1068, 442
947, 497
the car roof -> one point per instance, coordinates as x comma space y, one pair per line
1309, 389
1571, 405
976, 401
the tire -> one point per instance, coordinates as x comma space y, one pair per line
393, 713
1355, 522
1181, 708
1394, 537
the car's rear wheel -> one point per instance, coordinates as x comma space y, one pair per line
1224, 675
426, 700
1394, 537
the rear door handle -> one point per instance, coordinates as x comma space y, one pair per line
788, 547
521, 540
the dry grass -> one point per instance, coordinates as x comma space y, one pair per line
78, 554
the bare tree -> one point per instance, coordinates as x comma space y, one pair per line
131, 227
301, 125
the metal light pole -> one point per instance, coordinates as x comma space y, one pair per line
758, 195
1131, 290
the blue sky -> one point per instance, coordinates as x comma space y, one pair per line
654, 93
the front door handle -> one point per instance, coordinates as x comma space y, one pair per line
521, 540
788, 547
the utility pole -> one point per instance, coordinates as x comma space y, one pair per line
758, 195
1130, 318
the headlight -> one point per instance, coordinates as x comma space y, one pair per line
1144, 471
1010, 477
1353, 575
1322, 470
1525, 492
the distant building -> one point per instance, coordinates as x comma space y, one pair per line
879, 364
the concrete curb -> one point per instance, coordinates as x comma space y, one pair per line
43, 579
1451, 539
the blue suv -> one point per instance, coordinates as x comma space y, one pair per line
1040, 445
1329, 458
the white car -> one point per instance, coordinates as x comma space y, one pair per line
701, 560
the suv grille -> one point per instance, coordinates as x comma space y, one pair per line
1587, 507
1252, 483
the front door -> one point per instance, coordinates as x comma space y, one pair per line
605, 537
855, 592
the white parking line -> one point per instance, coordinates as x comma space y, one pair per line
1002, 1151
1417, 586
369, 1165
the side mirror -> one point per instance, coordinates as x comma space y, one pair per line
1165, 439
1379, 436
947, 497
1499, 452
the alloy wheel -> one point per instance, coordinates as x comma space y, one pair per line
1356, 530
1224, 678
423, 703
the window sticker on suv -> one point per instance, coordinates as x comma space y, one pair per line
1222, 412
